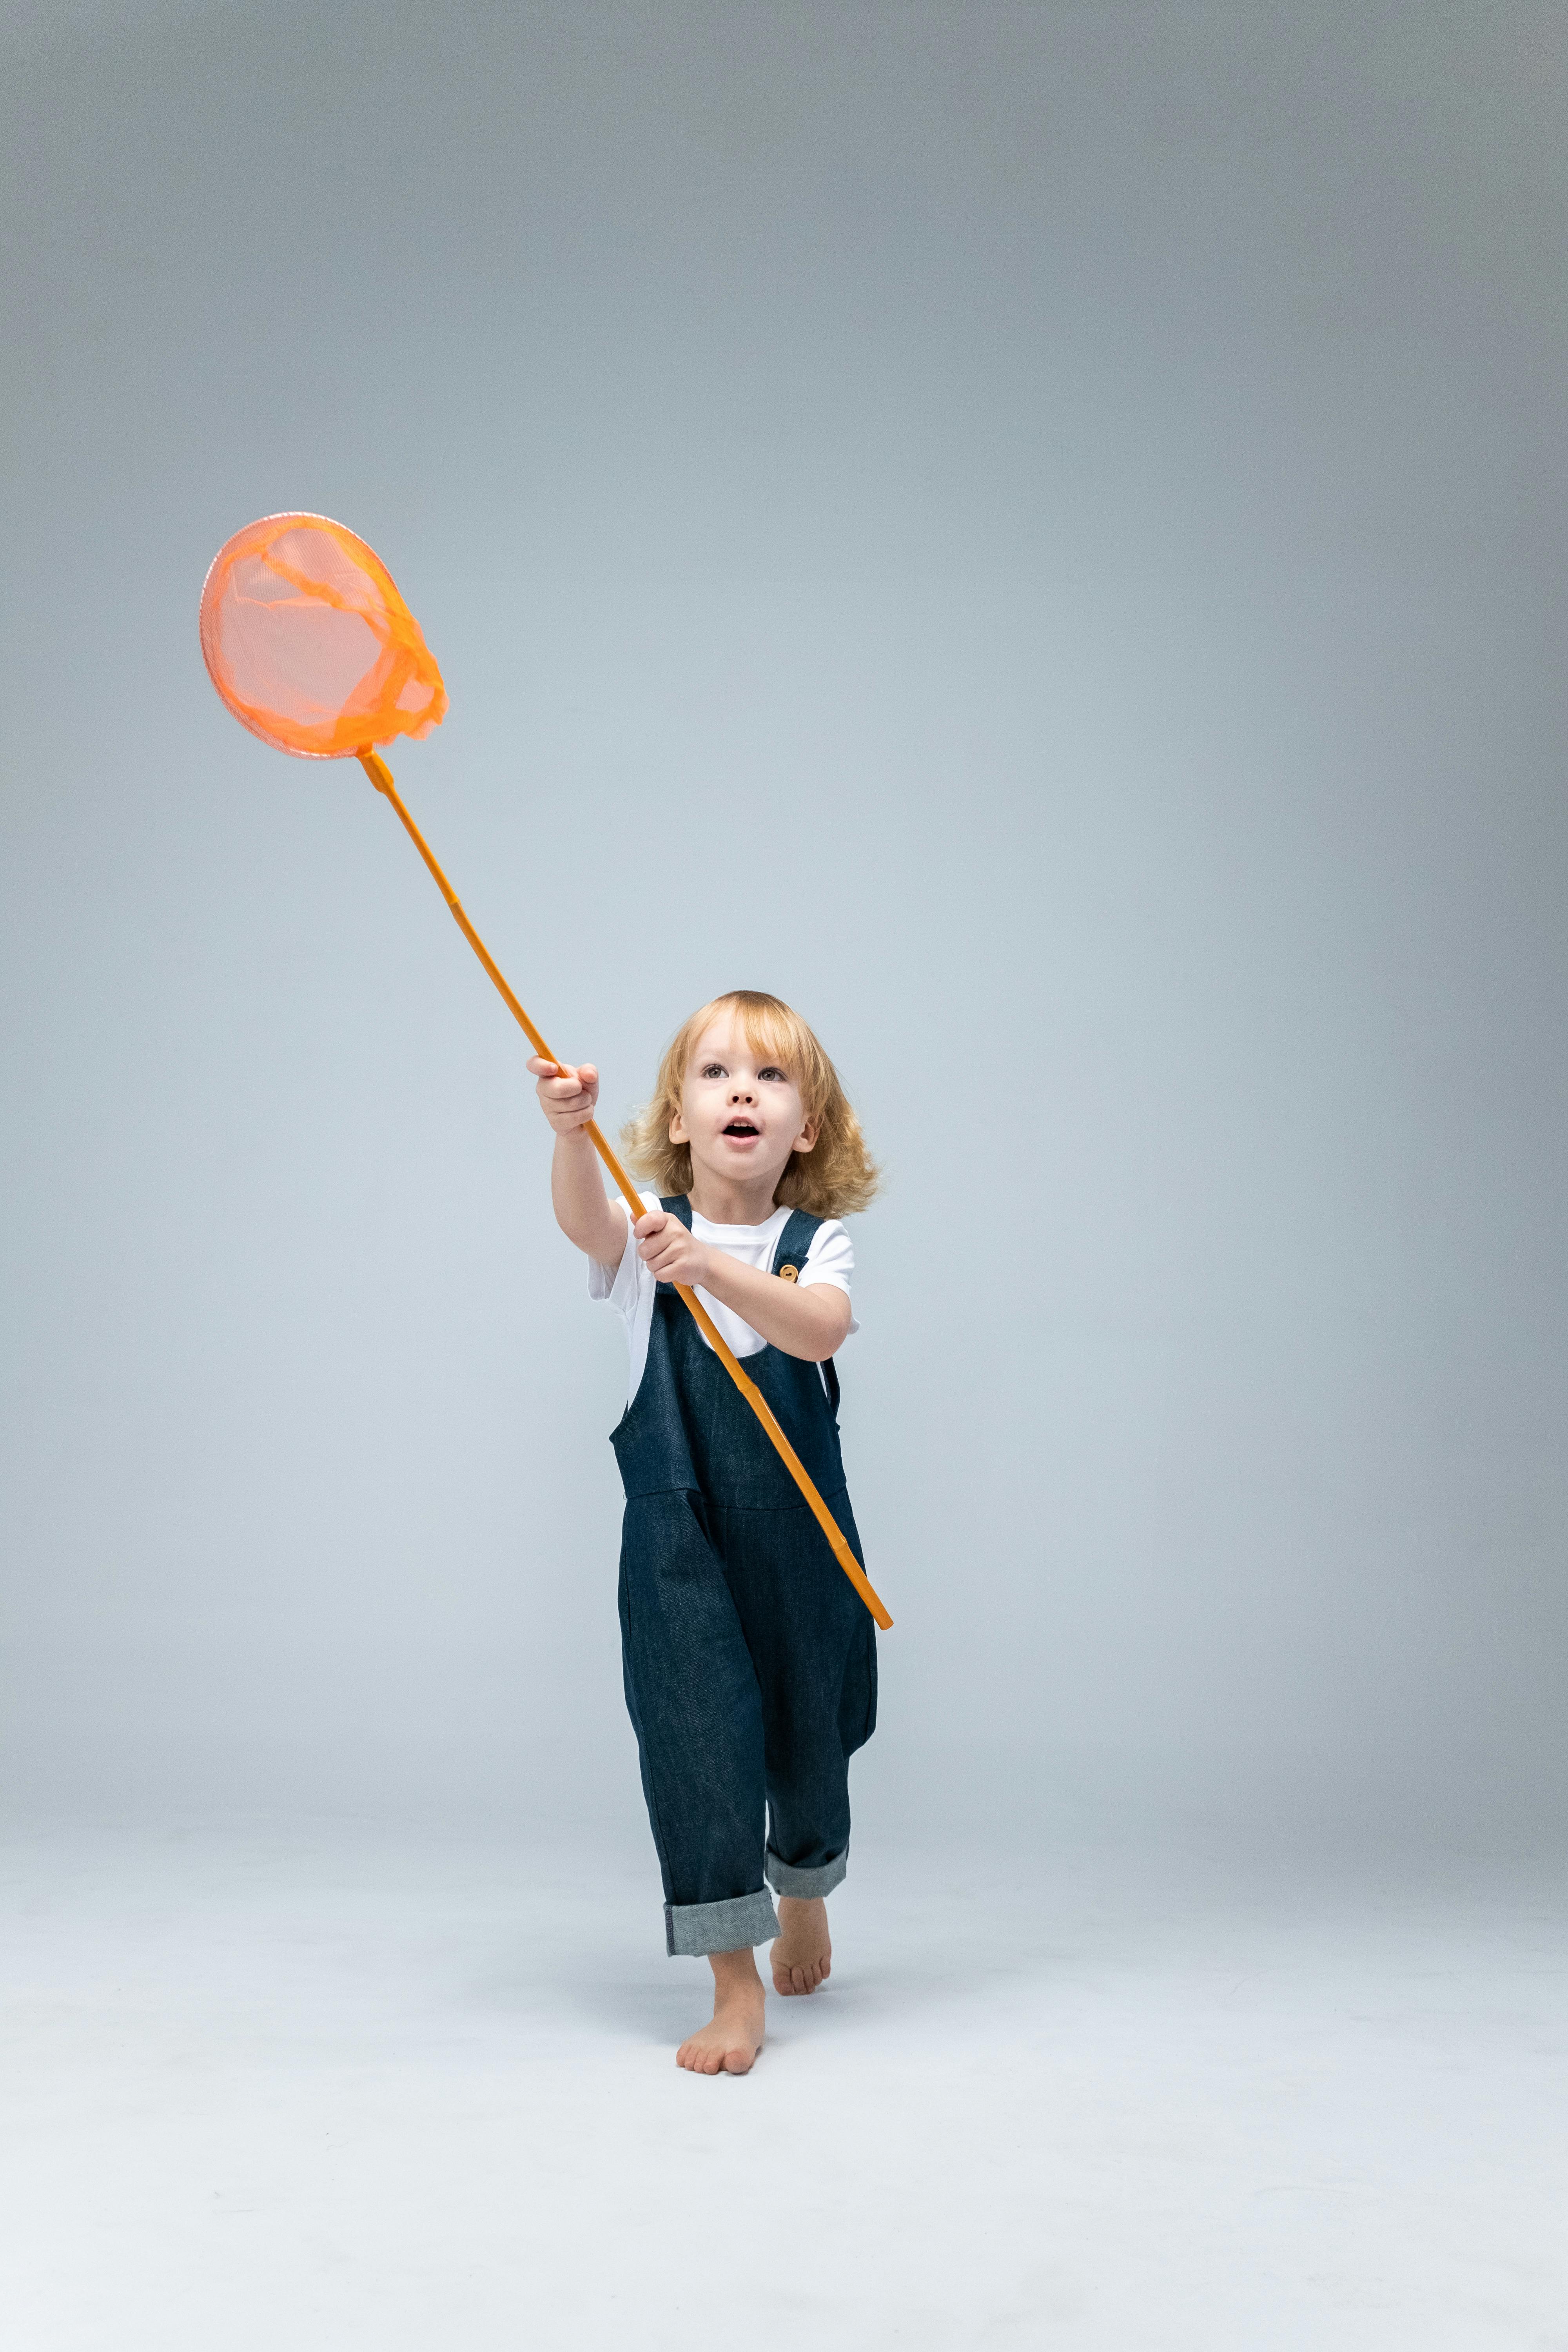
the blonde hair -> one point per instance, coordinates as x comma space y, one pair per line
833, 1179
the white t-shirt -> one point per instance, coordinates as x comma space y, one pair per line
631, 1289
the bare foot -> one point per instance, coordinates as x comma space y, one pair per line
728, 2045
802, 1954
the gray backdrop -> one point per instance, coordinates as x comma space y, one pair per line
1034, 532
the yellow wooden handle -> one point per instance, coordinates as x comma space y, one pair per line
380, 774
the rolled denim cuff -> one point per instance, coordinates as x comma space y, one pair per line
784, 1879
691, 1930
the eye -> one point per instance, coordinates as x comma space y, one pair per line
772, 1072
713, 1069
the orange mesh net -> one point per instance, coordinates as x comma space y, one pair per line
310, 644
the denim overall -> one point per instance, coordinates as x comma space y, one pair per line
750, 1661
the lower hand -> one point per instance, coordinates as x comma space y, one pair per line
669, 1250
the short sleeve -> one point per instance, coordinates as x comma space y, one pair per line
619, 1289
630, 1291
831, 1258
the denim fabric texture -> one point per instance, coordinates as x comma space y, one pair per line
750, 1661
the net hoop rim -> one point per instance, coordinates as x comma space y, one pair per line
288, 515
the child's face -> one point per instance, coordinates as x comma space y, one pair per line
739, 1112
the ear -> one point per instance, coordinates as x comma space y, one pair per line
805, 1139
678, 1129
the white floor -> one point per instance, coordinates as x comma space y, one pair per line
310, 2091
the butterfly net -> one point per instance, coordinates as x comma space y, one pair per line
310, 644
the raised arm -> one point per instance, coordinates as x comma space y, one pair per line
583, 1210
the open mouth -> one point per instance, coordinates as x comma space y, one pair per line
743, 1126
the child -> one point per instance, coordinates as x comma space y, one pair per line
750, 1661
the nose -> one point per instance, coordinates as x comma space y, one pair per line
740, 1094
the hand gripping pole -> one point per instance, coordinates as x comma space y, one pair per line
380, 774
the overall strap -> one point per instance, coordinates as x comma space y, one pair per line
790, 1251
